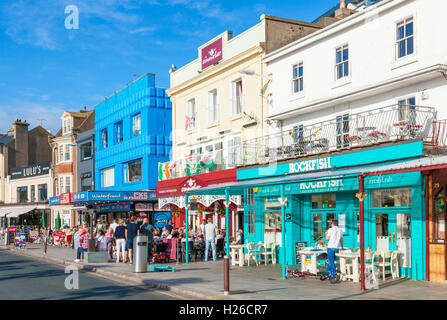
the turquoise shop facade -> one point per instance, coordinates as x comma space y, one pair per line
321, 189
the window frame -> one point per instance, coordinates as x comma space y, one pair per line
39, 192
405, 38
136, 132
298, 79
126, 171
118, 129
102, 176
234, 111
191, 113
344, 133
212, 108
342, 62
83, 147
104, 143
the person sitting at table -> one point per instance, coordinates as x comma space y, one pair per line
239, 237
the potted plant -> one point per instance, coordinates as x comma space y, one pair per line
177, 212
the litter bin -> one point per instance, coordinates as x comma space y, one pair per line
140, 254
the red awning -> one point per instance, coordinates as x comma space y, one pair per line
177, 187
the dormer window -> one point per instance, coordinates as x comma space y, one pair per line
66, 126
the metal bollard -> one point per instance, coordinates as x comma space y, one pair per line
226, 276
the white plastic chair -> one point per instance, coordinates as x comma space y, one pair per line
384, 262
252, 252
394, 261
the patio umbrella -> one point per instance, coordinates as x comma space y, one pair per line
42, 220
57, 224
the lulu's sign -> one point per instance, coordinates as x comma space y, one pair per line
30, 171
212, 53
310, 165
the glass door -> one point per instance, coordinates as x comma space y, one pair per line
321, 223
393, 232
272, 228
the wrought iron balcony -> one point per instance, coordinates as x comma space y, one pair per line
392, 123
396, 122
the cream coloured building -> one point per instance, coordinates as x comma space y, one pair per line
220, 101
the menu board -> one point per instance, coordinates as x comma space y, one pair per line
298, 247
20, 239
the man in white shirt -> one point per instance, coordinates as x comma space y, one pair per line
114, 225
210, 239
334, 236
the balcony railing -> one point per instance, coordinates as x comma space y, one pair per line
396, 122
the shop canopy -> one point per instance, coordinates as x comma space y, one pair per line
15, 212
237, 188
4, 211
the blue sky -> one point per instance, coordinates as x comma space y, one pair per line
46, 69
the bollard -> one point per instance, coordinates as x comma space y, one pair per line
226, 276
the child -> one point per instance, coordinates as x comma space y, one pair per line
321, 245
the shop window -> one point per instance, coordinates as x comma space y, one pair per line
384, 198
86, 151
132, 171
33, 193
324, 201
272, 203
272, 221
108, 177
43, 192
22, 194
438, 219
251, 221
318, 224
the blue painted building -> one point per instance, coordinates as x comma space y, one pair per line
132, 130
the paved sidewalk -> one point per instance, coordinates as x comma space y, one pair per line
204, 280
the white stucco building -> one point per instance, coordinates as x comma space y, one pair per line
360, 77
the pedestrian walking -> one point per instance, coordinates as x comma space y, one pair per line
109, 242
120, 238
114, 225
131, 233
210, 239
147, 229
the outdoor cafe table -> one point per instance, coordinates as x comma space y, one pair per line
313, 258
354, 256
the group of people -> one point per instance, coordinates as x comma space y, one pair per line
117, 238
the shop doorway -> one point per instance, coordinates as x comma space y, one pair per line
393, 232
272, 228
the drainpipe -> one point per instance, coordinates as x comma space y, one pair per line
227, 219
361, 196
187, 205
283, 202
427, 227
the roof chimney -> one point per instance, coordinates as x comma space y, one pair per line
20, 130
342, 4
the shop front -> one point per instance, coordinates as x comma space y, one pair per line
61, 211
115, 205
171, 194
320, 190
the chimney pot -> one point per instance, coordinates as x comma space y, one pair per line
342, 4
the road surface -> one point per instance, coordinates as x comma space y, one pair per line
26, 278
